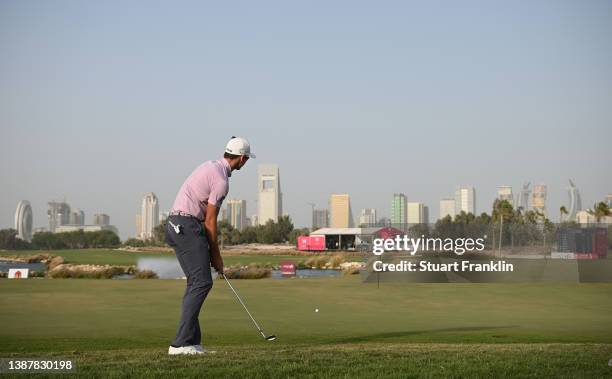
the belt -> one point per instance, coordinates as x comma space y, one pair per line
184, 214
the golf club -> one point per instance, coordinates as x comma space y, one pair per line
267, 338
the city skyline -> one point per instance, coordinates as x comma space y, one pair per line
412, 97
421, 211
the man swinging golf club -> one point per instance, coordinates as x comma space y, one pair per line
192, 232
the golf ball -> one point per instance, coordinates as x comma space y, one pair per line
316, 309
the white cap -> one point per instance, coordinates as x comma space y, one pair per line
239, 146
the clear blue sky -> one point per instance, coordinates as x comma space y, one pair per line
101, 102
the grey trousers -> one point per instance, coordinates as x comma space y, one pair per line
193, 254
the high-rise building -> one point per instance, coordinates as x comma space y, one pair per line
538, 200
417, 213
575, 202
59, 214
367, 217
23, 220
101, 219
505, 193
254, 220
163, 216
523, 198
465, 200
341, 214
398, 209
138, 225
236, 213
609, 200
149, 215
77, 217
270, 196
447, 208
320, 219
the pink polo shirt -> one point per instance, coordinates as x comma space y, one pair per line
207, 184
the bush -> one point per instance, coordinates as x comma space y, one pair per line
336, 260
317, 262
145, 274
54, 262
351, 271
253, 271
66, 272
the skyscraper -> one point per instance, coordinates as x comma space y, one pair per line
523, 198
575, 202
101, 219
398, 209
505, 193
341, 214
447, 208
59, 214
149, 215
367, 217
23, 220
465, 200
538, 200
77, 217
320, 219
138, 225
416, 213
236, 213
270, 197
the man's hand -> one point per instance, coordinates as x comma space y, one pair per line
217, 263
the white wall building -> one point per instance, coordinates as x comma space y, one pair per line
236, 214
149, 215
23, 220
465, 200
367, 216
447, 208
417, 213
270, 202
505, 193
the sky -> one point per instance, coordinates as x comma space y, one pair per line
103, 102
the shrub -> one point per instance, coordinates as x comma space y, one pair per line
104, 272
336, 260
54, 262
317, 262
253, 271
351, 271
145, 274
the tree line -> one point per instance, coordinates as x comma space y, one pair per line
281, 231
78, 239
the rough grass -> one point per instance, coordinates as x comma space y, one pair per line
265, 360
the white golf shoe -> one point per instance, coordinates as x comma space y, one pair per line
186, 350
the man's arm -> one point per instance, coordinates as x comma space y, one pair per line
210, 225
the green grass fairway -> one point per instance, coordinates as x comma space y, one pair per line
117, 257
122, 328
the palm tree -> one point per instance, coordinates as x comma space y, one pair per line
600, 210
562, 211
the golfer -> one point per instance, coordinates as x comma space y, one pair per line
192, 231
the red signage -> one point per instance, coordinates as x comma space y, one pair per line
287, 268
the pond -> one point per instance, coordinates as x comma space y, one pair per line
6, 265
169, 268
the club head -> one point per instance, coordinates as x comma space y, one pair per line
270, 338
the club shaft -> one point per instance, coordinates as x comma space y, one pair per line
244, 306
